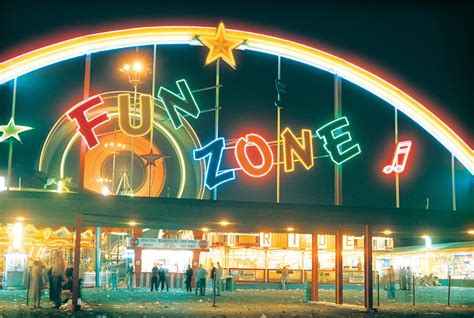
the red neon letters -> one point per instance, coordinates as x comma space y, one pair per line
86, 127
241, 155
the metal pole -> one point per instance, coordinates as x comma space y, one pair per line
77, 256
10, 149
214, 290
114, 153
278, 135
28, 285
83, 149
397, 181
378, 289
414, 289
97, 256
453, 182
337, 114
449, 290
135, 88
314, 268
216, 133
153, 98
339, 268
368, 273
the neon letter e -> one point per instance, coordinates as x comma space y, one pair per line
86, 127
214, 150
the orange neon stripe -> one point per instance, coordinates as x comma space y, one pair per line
79, 46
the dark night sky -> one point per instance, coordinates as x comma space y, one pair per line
423, 48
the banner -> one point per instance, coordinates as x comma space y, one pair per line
173, 244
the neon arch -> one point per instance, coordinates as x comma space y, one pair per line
162, 35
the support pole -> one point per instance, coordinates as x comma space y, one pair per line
397, 180
278, 135
97, 256
216, 115
337, 114
453, 182
449, 290
77, 256
82, 155
10, 148
314, 268
368, 273
378, 289
414, 289
339, 268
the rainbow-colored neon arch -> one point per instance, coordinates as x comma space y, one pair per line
162, 35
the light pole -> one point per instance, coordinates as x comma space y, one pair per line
115, 149
136, 73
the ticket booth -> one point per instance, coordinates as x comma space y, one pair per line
16, 270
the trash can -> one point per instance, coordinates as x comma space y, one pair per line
229, 283
307, 291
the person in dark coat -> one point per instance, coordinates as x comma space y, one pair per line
49, 273
154, 278
58, 277
188, 279
161, 277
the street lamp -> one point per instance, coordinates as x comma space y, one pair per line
427, 241
136, 73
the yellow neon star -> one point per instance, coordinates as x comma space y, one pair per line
220, 46
11, 130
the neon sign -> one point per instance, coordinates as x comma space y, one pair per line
293, 149
86, 127
241, 155
335, 139
400, 158
146, 111
214, 150
174, 104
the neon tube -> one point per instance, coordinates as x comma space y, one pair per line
93, 43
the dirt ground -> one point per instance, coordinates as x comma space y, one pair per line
242, 303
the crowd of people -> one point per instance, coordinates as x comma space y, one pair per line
159, 278
404, 280
57, 278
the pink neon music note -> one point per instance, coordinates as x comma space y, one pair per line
399, 158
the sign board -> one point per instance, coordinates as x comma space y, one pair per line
247, 275
173, 244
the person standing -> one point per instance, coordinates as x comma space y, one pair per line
49, 274
391, 283
219, 278
58, 277
130, 277
404, 278
161, 277
166, 278
284, 277
201, 276
114, 278
213, 276
36, 283
188, 274
154, 278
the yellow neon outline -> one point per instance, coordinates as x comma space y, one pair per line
79, 46
293, 153
146, 117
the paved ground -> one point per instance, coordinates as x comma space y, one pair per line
244, 303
